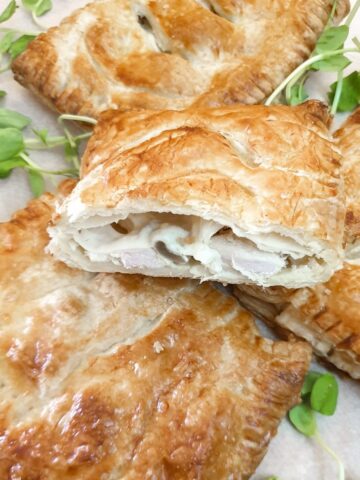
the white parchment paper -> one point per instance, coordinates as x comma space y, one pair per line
291, 456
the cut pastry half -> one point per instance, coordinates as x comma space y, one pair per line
327, 315
247, 194
132, 54
122, 376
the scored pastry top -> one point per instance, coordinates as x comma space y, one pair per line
171, 53
123, 376
246, 180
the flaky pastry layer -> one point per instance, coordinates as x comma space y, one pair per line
245, 194
129, 377
349, 142
132, 54
327, 315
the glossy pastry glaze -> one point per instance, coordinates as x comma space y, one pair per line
129, 377
327, 315
262, 185
167, 54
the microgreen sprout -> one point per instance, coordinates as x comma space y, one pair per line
15, 148
77, 118
8, 12
328, 56
14, 42
345, 96
37, 8
319, 394
10, 118
71, 147
324, 395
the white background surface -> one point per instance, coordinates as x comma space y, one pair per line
291, 456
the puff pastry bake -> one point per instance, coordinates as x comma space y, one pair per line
349, 140
245, 194
171, 53
327, 315
128, 377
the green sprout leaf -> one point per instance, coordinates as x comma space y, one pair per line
30, 4
37, 182
20, 45
2, 93
72, 154
298, 94
10, 118
38, 7
7, 166
332, 38
11, 143
332, 64
8, 12
320, 392
327, 56
303, 419
350, 93
42, 135
272, 478
309, 382
13, 148
43, 7
324, 394
6, 41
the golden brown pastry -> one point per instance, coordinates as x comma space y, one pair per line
327, 315
129, 377
171, 53
349, 141
243, 194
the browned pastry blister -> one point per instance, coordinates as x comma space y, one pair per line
235, 194
129, 377
327, 315
171, 53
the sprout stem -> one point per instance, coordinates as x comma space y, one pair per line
34, 166
19, 32
53, 142
341, 469
292, 83
35, 144
338, 91
356, 42
296, 74
36, 21
352, 13
332, 13
83, 136
77, 118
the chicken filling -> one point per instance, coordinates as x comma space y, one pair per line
162, 240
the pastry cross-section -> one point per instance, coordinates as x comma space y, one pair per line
326, 315
242, 194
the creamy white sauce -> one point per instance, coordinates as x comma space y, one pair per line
158, 240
